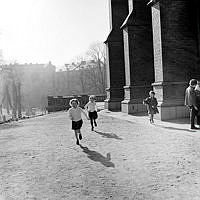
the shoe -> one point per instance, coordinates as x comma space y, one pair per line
95, 123
80, 136
194, 127
77, 142
92, 128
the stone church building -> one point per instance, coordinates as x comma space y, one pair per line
152, 46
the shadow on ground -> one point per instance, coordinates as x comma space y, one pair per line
179, 121
108, 135
9, 125
140, 114
97, 157
174, 128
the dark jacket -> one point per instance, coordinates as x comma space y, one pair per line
151, 104
190, 97
197, 98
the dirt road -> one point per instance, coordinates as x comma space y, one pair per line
121, 160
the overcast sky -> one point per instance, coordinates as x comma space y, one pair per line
56, 30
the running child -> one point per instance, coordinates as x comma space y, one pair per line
151, 103
75, 115
91, 107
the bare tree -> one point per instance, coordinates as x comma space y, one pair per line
6, 89
97, 73
79, 62
17, 74
10, 90
88, 73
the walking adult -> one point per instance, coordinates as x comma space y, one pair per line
191, 102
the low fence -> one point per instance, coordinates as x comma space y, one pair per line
6, 116
59, 103
100, 98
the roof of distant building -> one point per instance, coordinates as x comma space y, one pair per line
81, 64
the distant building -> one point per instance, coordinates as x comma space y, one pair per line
83, 64
37, 82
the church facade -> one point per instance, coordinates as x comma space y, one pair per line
152, 46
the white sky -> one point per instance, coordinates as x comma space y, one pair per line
51, 30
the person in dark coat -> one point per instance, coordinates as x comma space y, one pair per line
151, 103
197, 91
191, 102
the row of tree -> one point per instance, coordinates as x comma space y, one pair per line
10, 91
89, 72
27, 86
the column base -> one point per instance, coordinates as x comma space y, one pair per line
134, 95
112, 105
114, 98
170, 96
172, 112
131, 107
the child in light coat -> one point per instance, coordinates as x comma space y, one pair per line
75, 115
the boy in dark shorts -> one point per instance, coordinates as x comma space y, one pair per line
92, 111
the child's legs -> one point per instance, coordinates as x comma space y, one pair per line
91, 118
95, 117
95, 123
151, 116
76, 134
78, 131
91, 122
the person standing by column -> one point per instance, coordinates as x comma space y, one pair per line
197, 91
191, 102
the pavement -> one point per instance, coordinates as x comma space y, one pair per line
125, 158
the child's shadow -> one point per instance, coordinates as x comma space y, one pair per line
97, 157
109, 135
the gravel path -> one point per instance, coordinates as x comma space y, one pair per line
120, 160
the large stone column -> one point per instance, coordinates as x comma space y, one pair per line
138, 51
115, 55
175, 37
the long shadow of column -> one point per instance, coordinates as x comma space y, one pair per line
97, 157
174, 128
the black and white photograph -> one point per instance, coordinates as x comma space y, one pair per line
99, 100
